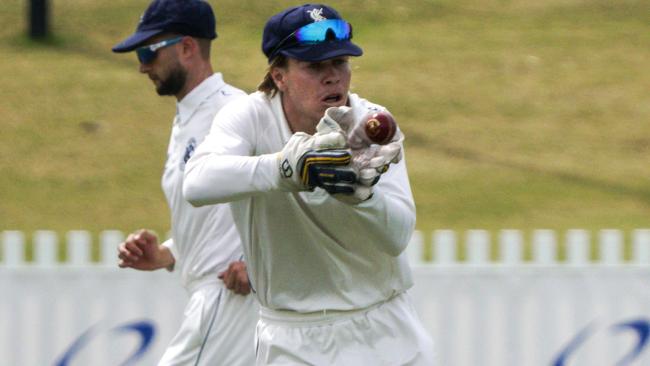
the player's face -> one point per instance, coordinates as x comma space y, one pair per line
165, 71
309, 88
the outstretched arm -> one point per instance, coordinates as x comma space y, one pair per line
224, 167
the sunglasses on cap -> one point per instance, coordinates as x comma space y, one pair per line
317, 32
146, 54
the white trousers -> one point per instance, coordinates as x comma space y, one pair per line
218, 328
389, 333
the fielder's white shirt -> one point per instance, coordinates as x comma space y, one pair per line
204, 240
305, 251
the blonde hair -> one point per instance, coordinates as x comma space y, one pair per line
268, 85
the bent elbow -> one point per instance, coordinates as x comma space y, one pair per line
401, 238
192, 188
393, 246
191, 193
395, 250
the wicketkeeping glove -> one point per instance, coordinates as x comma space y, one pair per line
373, 161
334, 178
303, 151
369, 162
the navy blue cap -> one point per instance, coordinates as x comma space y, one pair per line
282, 25
186, 17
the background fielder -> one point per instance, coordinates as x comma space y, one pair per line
325, 253
172, 42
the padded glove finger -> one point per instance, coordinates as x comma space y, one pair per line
361, 193
338, 188
329, 140
373, 161
370, 176
341, 117
392, 152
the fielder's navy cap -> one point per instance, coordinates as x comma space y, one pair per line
186, 17
281, 29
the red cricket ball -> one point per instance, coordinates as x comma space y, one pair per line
380, 127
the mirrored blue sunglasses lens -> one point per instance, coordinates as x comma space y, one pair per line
318, 31
147, 54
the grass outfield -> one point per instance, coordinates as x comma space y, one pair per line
518, 114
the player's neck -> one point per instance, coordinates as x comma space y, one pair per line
195, 76
298, 121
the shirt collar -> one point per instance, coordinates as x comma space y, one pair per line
276, 107
191, 102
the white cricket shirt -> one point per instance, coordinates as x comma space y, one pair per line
305, 251
204, 240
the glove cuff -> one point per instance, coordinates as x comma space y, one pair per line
284, 174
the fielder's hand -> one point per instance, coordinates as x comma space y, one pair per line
236, 278
141, 251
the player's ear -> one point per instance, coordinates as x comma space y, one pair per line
278, 75
189, 47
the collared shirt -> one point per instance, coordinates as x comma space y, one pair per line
204, 240
305, 251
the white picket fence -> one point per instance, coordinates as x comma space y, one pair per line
495, 307
545, 247
444, 244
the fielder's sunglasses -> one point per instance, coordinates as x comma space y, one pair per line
147, 54
317, 32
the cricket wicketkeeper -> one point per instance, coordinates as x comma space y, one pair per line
323, 232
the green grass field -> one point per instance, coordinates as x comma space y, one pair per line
517, 114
